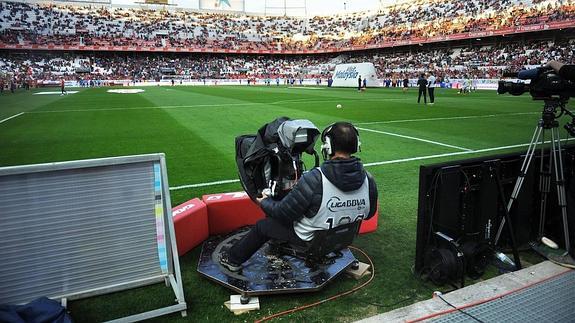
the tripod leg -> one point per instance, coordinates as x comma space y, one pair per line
544, 186
525, 166
521, 178
560, 181
508, 217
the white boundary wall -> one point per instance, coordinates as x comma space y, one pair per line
346, 75
482, 84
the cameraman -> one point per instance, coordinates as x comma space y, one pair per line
565, 71
305, 208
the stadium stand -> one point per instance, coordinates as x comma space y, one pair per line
482, 61
95, 44
42, 26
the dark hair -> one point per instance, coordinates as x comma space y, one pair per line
422, 74
344, 137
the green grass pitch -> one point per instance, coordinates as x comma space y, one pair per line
195, 127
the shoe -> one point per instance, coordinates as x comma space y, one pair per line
227, 264
563, 260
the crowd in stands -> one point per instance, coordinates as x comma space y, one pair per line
480, 61
150, 66
49, 24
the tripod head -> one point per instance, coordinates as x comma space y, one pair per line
553, 109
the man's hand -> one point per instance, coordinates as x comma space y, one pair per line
260, 199
555, 65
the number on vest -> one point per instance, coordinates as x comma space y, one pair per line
343, 220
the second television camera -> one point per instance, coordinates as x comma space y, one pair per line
545, 85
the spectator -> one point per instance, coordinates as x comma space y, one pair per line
422, 83
431, 88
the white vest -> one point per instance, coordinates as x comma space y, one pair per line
337, 208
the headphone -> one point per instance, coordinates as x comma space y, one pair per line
326, 147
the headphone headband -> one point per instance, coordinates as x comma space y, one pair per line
327, 148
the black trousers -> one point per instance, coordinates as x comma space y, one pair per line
424, 92
431, 94
263, 231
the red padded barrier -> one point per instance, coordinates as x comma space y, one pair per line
190, 224
230, 211
370, 225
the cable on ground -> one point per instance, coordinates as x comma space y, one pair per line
303, 307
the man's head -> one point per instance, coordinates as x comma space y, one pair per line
341, 139
422, 75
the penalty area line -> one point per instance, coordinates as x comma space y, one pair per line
404, 160
12, 117
447, 118
387, 162
414, 138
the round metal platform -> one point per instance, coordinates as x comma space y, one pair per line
266, 273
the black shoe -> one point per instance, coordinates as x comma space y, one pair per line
227, 264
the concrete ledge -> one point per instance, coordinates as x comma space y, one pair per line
473, 294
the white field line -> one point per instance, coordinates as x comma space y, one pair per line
143, 108
447, 118
296, 101
452, 154
12, 117
387, 162
227, 181
414, 138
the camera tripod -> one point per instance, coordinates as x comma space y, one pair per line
548, 121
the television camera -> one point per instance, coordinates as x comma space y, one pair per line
544, 84
270, 162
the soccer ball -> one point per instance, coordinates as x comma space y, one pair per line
338, 106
